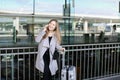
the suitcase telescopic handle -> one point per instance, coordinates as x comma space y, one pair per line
63, 59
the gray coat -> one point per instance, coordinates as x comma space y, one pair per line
42, 47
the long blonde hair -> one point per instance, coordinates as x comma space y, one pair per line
57, 31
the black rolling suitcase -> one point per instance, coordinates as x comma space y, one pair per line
67, 72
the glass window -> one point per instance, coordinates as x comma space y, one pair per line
107, 29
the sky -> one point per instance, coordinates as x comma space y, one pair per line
90, 7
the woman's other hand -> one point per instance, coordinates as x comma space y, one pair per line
63, 49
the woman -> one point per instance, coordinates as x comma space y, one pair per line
48, 39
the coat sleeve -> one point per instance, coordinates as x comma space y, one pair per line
58, 46
40, 35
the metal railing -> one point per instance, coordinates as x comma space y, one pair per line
92, 61
18, 63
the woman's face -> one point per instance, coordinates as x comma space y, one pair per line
52, 25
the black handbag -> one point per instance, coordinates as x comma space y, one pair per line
56, 54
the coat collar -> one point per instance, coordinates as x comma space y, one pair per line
46, 42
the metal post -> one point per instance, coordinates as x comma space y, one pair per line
65, 3
14, 35
33, 7
67, 20
32, 27
69, 8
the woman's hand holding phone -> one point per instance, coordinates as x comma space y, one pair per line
45, 28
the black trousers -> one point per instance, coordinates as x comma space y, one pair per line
47, 74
